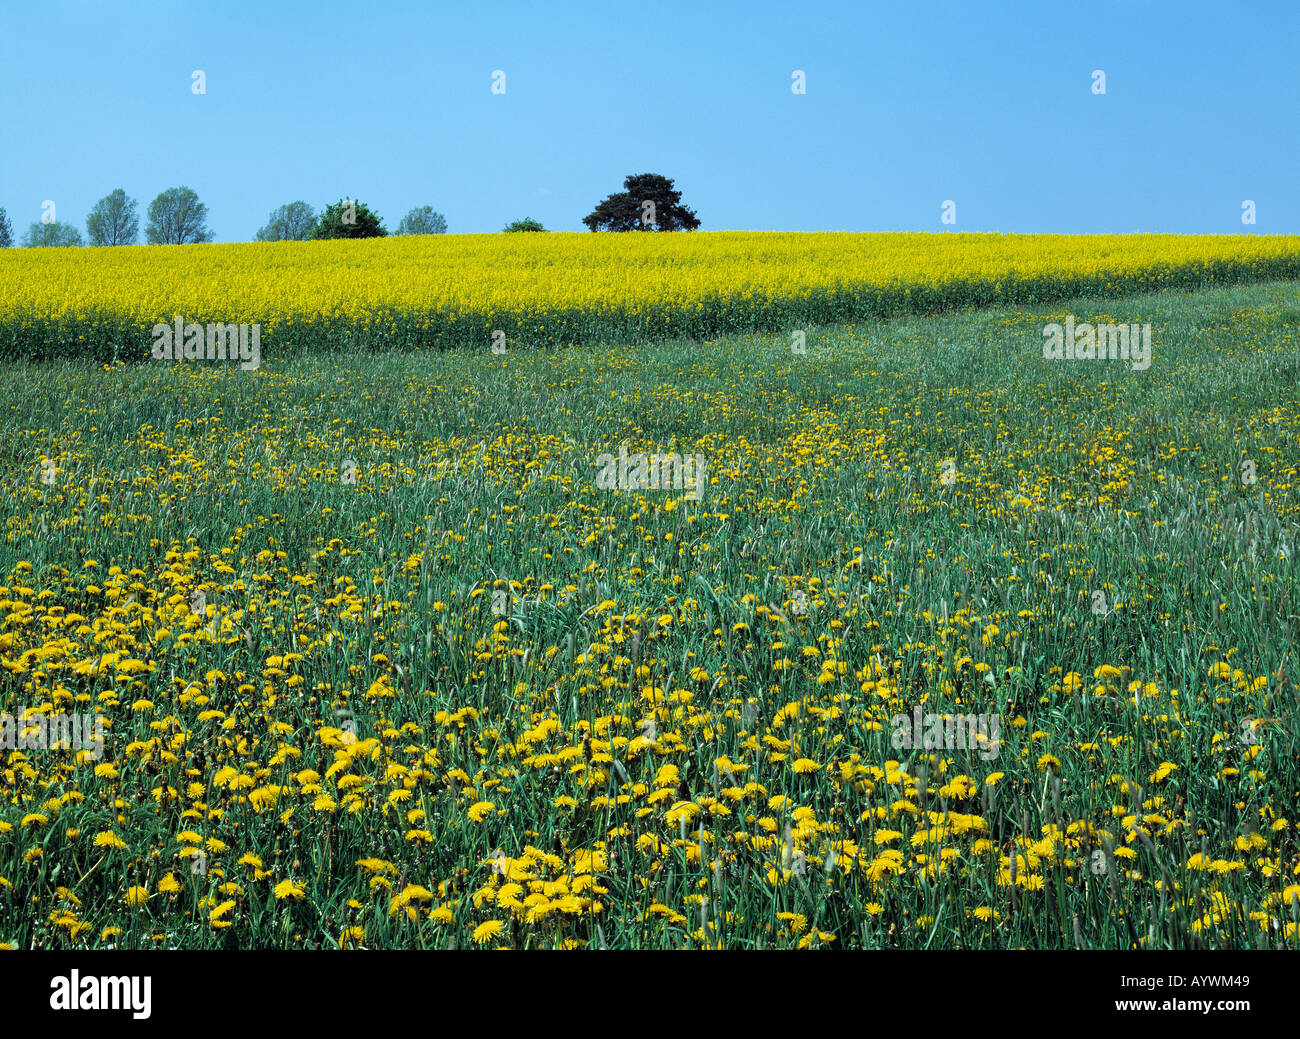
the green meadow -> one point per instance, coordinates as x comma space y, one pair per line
380, 665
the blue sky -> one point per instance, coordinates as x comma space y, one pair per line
909, 103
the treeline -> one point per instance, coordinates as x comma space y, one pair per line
178, 217
649, 202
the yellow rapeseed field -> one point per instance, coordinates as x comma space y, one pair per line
566, 288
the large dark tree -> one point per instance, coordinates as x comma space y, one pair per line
649, 203
349, 219
6, 230
177, 217
113, 221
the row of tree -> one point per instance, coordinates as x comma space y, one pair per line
347, 218
177, 217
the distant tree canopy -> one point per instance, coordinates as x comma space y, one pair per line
41, 235
348, 218
650, 202
6, 230
113, 221
423, 220
293, 222
526, 224
177, 217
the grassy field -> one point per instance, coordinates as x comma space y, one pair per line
380, 665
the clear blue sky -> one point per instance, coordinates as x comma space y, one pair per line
908, 103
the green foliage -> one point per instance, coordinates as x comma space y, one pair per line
423, 220
6, 230
348, 218
526, 224
113, 220
649, 202
293, 222
177, 217
43, 235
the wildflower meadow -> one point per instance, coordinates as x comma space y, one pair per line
880, 634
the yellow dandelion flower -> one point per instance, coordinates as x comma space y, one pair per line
487, 931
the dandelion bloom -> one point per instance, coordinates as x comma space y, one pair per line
214, 917
486, 932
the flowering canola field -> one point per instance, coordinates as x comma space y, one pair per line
455, 290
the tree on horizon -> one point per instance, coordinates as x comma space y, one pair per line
292, 222
348, 218
113, 220
423, 220
649, 202
177, 217
54, 234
